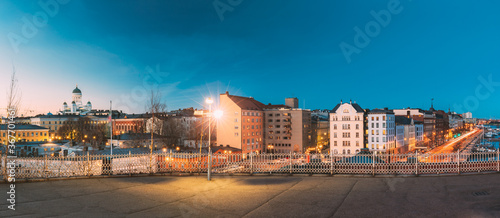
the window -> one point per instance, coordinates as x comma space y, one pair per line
334, 126
236, 134
357, 126
335, 143
334, 135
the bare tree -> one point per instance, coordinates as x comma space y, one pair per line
13, 106
155, 106
13, 94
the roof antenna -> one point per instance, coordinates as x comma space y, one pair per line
340, 101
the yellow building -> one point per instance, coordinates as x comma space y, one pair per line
25, 133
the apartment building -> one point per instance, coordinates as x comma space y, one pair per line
241, 126
287, 128
381, 130
347, 129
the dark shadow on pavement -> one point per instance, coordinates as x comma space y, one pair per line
270, 181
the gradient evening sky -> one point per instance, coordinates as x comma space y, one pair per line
265, 49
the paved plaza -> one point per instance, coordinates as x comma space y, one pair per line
259, 196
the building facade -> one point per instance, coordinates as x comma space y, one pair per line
381, 130
25, 133
347, 129
76, 107
320, 128
241, 125
287, 130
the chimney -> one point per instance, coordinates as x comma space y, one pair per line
227, 92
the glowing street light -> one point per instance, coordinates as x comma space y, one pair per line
209, 101
218, 114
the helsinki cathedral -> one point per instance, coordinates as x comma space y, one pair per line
76, 107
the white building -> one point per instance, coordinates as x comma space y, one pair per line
77, 106
419, 134
381, 130
400, 137
467, 115
346, 129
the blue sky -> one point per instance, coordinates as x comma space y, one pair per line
114, 50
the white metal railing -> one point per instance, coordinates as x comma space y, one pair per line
289, 163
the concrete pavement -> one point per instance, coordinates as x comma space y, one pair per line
259, 196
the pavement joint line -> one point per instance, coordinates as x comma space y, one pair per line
343, 200
244, 215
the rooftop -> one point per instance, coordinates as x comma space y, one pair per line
246, 103
354, 105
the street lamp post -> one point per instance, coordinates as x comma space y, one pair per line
209, 101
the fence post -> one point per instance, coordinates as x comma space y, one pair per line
416, 162
209, 173
170, 161
498, 160
129, 160
373, 163
251, 163
458, 161
45, 166
88, 164
331, 164
291, 164
150, 163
